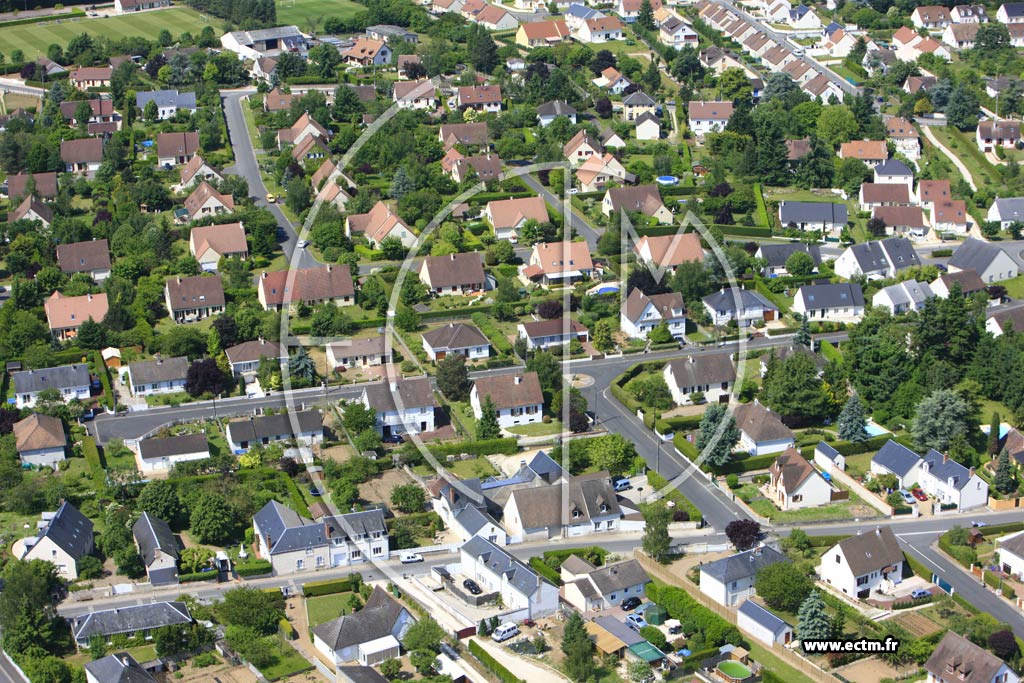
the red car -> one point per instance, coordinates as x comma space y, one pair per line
919, 494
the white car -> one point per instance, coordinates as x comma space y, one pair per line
411, 558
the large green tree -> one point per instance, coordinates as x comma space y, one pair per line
213, 520
793, 389
812, 619
656, 541
940, 417
487, 425
783, 585
578, 649
853, 421
453, 377
717, 435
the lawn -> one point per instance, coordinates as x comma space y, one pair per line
477, 467
764, 507
1014, 287
299, 12
323, 608
967, 151
537, 429
287, 661
33, 39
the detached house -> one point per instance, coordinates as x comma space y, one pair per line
776, 256
612, 81
91, 77
31, 209
951, 483
871, 562
82, 156
761, 430
352, 353
481, 98
581, 505
415, 95
905, 136
969, 281
456, 338
158, 455
468, 134
989, 260
63, 539
212, 243
636, 104
190, 299
517, 399
730, 580
951, 216
903, 297
956, 658
931, 17
599, 30
305, 427
745, 306
160, 376
877, 259
824, 216
640, 314
598, 171
544, 334
206, 201
668, 252
245, 358
841, 302
72, 381
559, 263
901, 220
708, 117
173, 149
712, 376
304, 127
485, 167
524, 594
871, 152
368, 636
645, 199
795, 484
65, 314
91, 257
581, 148
168, 102
132, 621
379, 224
992, 134
197, 170
404, 405
454, 274
896, 459
676, 33
588, 588
541, 33
158, 548
367, 52
508, 216
45, 185
40, 441
549, 111
312, 286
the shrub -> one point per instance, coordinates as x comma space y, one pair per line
545, 571
331, 587
733, 481
492, 664
254, 568
287, 631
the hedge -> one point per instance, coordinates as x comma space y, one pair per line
744, 230
696, 657
456, 312
668, 425
961, 553
104, 373
562, 554
830, 352
75, 13
197, 576
762, 210
366, 252
847, 448
919, 569
330, 587
298, 502
254, 568
996, 581
683, 606
92, 458
287, 631
942, 253
493, 334
827, 541
913, 602
479, 448
658, 482
545, 571
765, 291
492, 664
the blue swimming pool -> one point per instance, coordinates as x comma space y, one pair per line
875, 430
608, 289
667, 180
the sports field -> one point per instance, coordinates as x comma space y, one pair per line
298, 12
33, 39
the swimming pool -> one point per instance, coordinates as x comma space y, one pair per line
875, 430
667, 180
734, 671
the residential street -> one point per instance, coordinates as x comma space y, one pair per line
579, 223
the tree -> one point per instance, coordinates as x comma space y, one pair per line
783, 585
481, 49
212, 520
836, 124
853, 421
743, 533
90, 567
858, 52
487, 426
1003, 643
425, 634
252, 608
298, 195
578, 649
941, 416
734, 84
358, 417
962, 108
803, 334
797, 540
28, 607
206, 377
994, 429
1005, 481
876, 226
407, 319
656, 541
603, 336
800, 263
408, 498
651, 390
991, 39
602, 60
159, 498
816, 168
812, 620
717, 435
453, 377
91, 335
651, 78
390, 668
302, 367
795, 391
645, 17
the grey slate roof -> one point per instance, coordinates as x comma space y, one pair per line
945, 468
376, 620
544, 467
776, 254
724, 300
271, 426
896, 458
152, 449
827, 450
556, 108
619, 630
762, 617
60, 377
1014, 545
70, 530
583, 12
742, 565
361, 674
153, 534
871, 551
877, 255
968, 661
638, 99
159, 370
166, 98
129, 619
893, 167
499, 562
414, 392
1011, 208
616, 577
473, 520
289, 531
832, 295
120, 667
909, 292
455, 336
812, 212
699, 370
975, 254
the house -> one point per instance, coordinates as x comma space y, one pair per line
874, 195
311, 286
903, 297
481, 98
494, 18
730, 580
31, 209
777, 57
40, 441
803, 18
951, 216
801, 72
366, 52
456, 338
157, 456
517, 399
711, 376
931, 191
119, 667
931, 17
629, 10
668, 252
159, 376
612, 81
379, 224
900, 220
389, 33
522, 591
871, 152
197, 170
838, 302
206, 201
645, 199
910, 45
463, 508
352, 353
828, 458
209, 244
1010, 13
600, 30
896, 459
956, 658
63, 538
580, 505
82, 156
304, 427
173, 149
91, 257
91, 77
45, 185
878, 62
961, 36
745, 306
1010, 553
168, 102
775, 256
158, 548
454, 274
72, 381
761, 430
190, 299
266, 42
132, 621
717, 59
648, 127
676, 33
968, 14
990, 261
48, 67
543, 334
443, 6
996, 323
871, 562
763, 624
65, 314
468, 134
596, 172
311, 148
991, 134
559, 263
609, 138
245, 358
905, 136
101, 111
305, 126
483, 168
915, 84
794, 484
415, 95
578, 13
708, 117
541, 33
877, 259
640, 314
969, 281
1006, 211
950, 483
549, 111
404, 405
581, 148
264, 69
277, 100
407, 64
368, 636
588, 588
824, 216
894, 171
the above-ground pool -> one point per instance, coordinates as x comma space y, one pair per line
734, 671
604, 288
875, 430
667, 180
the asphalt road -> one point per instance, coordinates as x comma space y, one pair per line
578, 222
9, 674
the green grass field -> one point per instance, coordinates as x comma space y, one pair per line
33, 39
298, 12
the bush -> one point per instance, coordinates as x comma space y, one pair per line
545, 571
733, 481
197, 576
492, 664
332, 586
507, 446
287, 631
92, 458
254, 567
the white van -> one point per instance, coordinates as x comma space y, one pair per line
505, 631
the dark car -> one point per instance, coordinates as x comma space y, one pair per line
472, 587
314, 491
393, 438
630, 604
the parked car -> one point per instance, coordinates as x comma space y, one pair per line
630, 604
472, 587
449, 650
920, 495
393, 438
621, 484
271, 199
979, 524
920, 593
411, 558
907, 498
505, 631
635, 622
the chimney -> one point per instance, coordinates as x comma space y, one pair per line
690, 358
328, 268
263, 276
179, 279
269, 544
327, 528
945, 458
518, 379
878, 531
970, 473
452, 256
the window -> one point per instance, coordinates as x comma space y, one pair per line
356, 554
299, 564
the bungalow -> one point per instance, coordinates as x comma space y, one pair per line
896, 459
379, 224
990, 261
468, 134
877, 259
173, 149
549, 111
969, 281
668, 252
842, 301
72, 381
352, 353
168, 102
158, 455
523, 593
197, 170
366, 52
517, 399
582, 147
596, 172
65, 314
645, 199
415, 94
794, 484
558, 263
871, 562
730, 580
588, 588
956, 658
483, 168
206, 201
91, 257
710, 376
91, 77
63, 538
950, 483
931, 191
159, 376
871, 152
191, 299
991, 134
82, 156
874, 195
305, 427
508, 216
745, 306
311, 286
541, 33
900, 220
403, 405
676, 33
763, 625
456, 338
761, 430
158, 549
245, 358
40, 441
824, 216
640, 314
902, 297
544, 334
45, 185
494, 18
480, 98
210, 244
775, 256
390, 32
132, 621
101, 111
612, 81
951, 216
708, 117
454, 274
600, 30
1010, 553
368, 636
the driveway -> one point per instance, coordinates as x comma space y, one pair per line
578, 222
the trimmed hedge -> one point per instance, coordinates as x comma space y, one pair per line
693, 661
492, 664
287, 631
331, 586
658, 482
507, 446
298, 502
680, 423
491, 331
562, 554
762, 210
919, 568
75, 13
537, 564
254, 568
847, 448
827, 541
744, 230
961, 553
197, 576
104, 373
92, 458
830, 352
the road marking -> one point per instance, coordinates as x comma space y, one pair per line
925, 558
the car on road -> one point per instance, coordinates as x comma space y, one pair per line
920, 593
979, 524
635, 622
907, 498
472, 587
302, 244
410, 558
630, 604
271, 199
920, 495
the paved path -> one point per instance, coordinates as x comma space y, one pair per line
520, 666
952, 157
